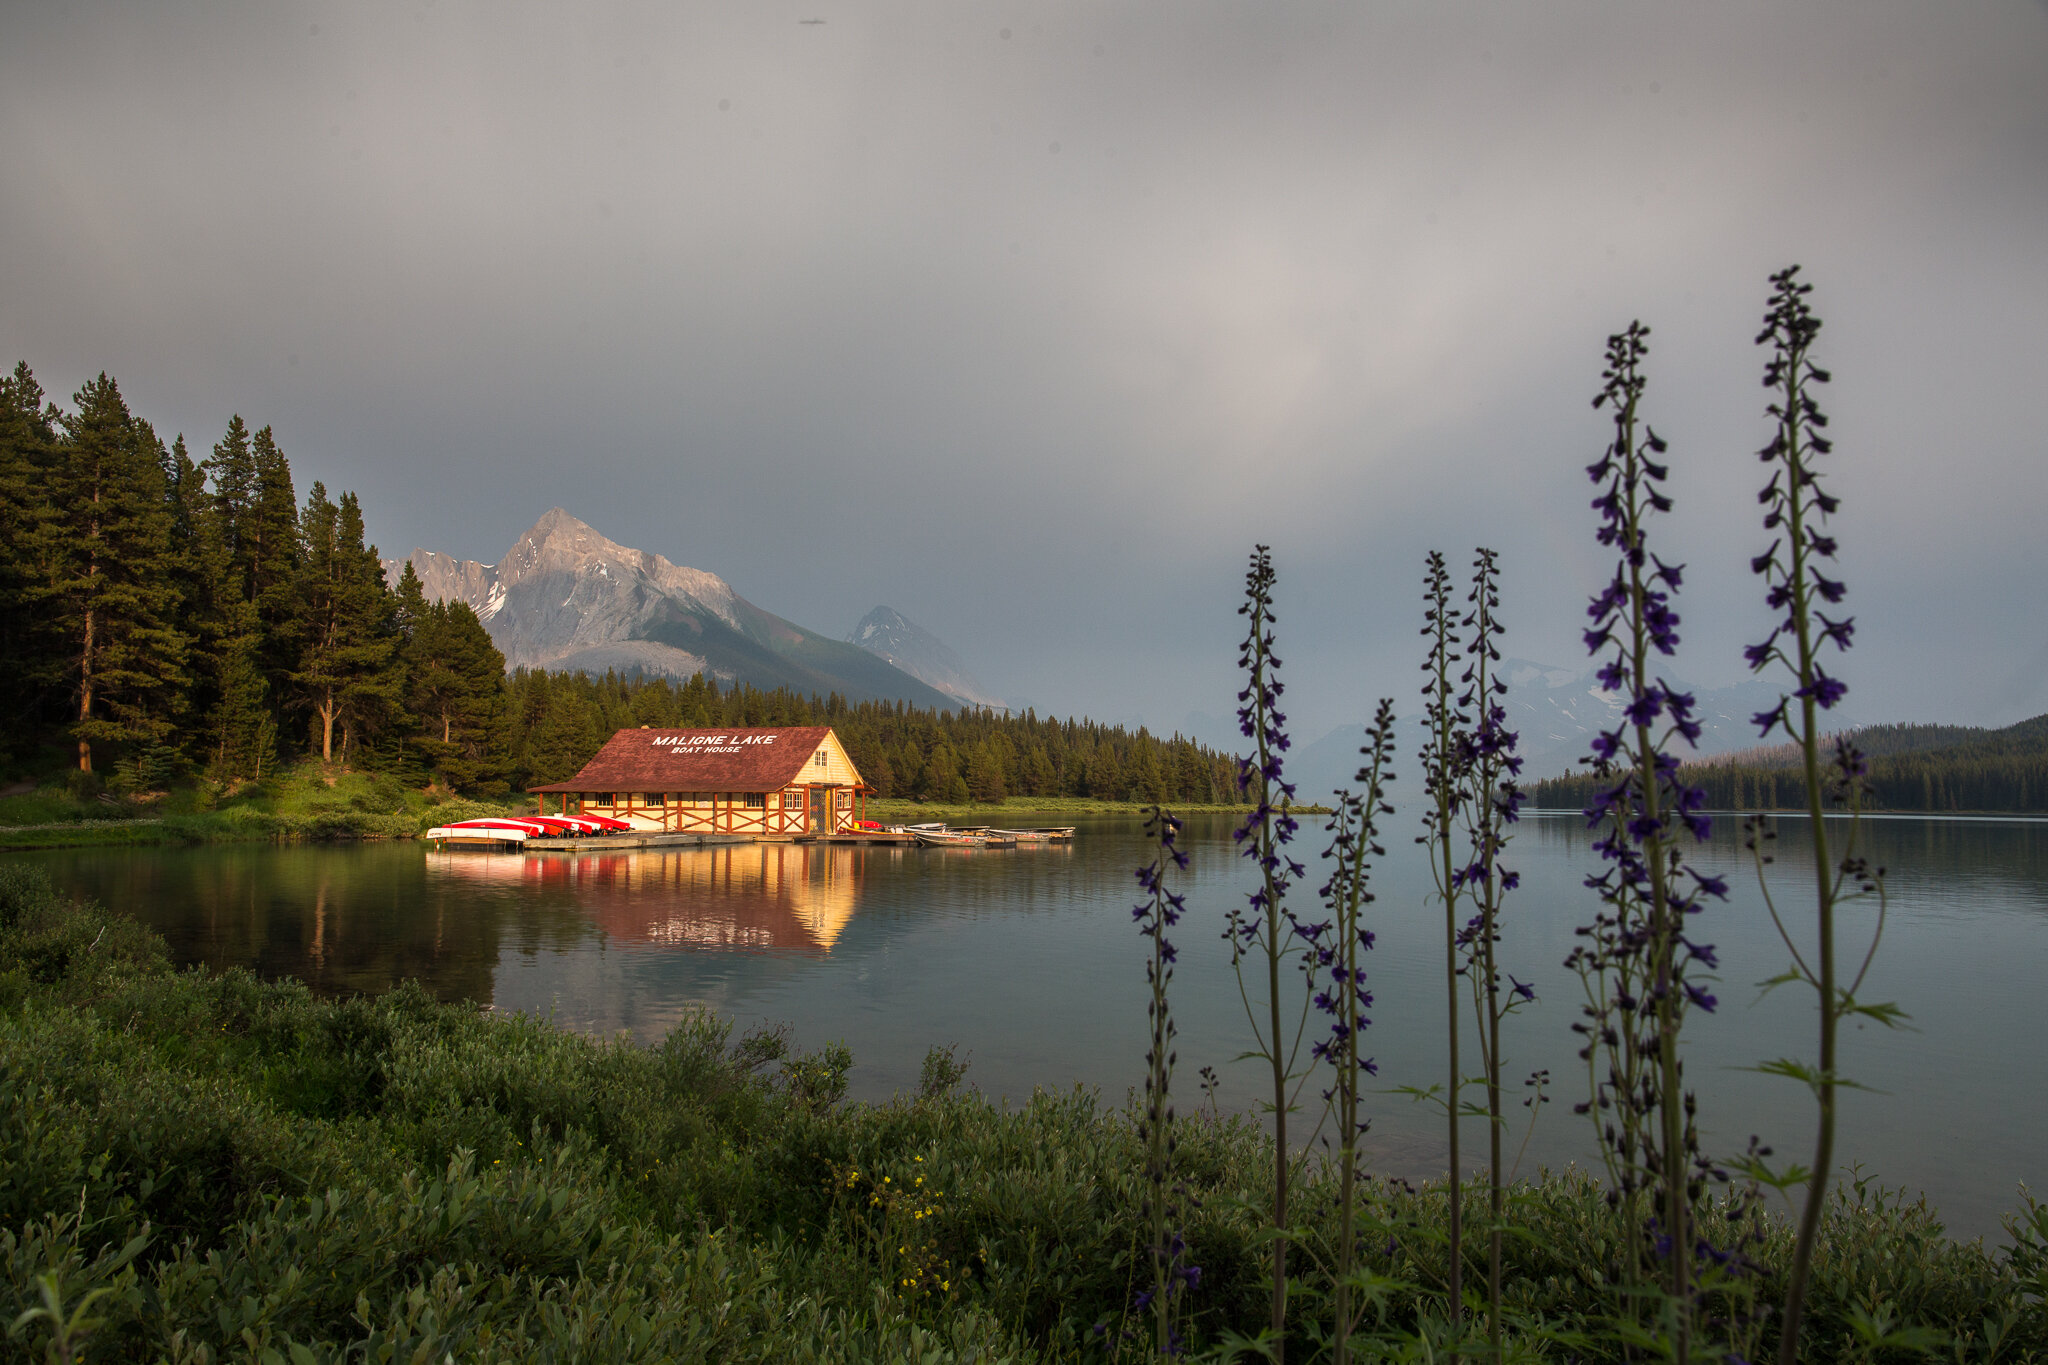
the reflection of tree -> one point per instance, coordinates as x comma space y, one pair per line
761, 896
345, 920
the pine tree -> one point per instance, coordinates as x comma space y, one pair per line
455, 687
110, 593
28, 440
196, 564
984, 774
232, 467
1106, 777
235, 731
564, 738
698, 697
345, 677
1143, 776
267, 553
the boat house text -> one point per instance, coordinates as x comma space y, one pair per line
787, 780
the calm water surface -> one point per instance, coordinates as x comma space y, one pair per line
1027, 960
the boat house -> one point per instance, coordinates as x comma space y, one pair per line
783, 781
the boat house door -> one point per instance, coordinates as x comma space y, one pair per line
821, 810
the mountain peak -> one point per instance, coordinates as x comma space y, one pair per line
567, 596
889, 635
558, 523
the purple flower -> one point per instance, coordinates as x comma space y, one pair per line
1824, 690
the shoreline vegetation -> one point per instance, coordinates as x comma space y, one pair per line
312, 802
199, 1164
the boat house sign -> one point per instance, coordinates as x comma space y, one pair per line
714, 744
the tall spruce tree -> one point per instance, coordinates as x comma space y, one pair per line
28, 439
230, 727
346, 677
266, 538
565, 734
455, 687
111, 594
194, 568
232, 467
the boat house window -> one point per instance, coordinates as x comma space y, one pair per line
819, 759
656, 798
756, 801
603, 799
792, 799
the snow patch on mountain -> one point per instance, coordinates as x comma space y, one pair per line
887, 634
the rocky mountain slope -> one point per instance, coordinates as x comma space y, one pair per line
887, 634
566, 597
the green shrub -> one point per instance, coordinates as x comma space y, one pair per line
199, 1165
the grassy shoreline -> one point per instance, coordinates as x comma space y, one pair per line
308, 801
315, 802
200, 1165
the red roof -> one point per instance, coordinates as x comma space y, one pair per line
731, 760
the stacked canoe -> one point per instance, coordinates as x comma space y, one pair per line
515, 830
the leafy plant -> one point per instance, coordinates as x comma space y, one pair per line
1798, 512
1354, 843
1446, 716
1491, 801
1265, 931
1639, 962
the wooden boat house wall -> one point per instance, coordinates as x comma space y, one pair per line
786, 780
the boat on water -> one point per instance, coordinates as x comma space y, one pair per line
941, 837
977, 836
1035, 836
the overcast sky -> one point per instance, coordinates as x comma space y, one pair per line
1029, 320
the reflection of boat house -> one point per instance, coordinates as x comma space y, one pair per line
789, 780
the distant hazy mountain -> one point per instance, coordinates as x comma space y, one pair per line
1556, 712
565, 597
887, 634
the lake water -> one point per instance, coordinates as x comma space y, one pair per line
1028, 961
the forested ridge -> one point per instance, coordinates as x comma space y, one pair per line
165, 619
1934, 768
